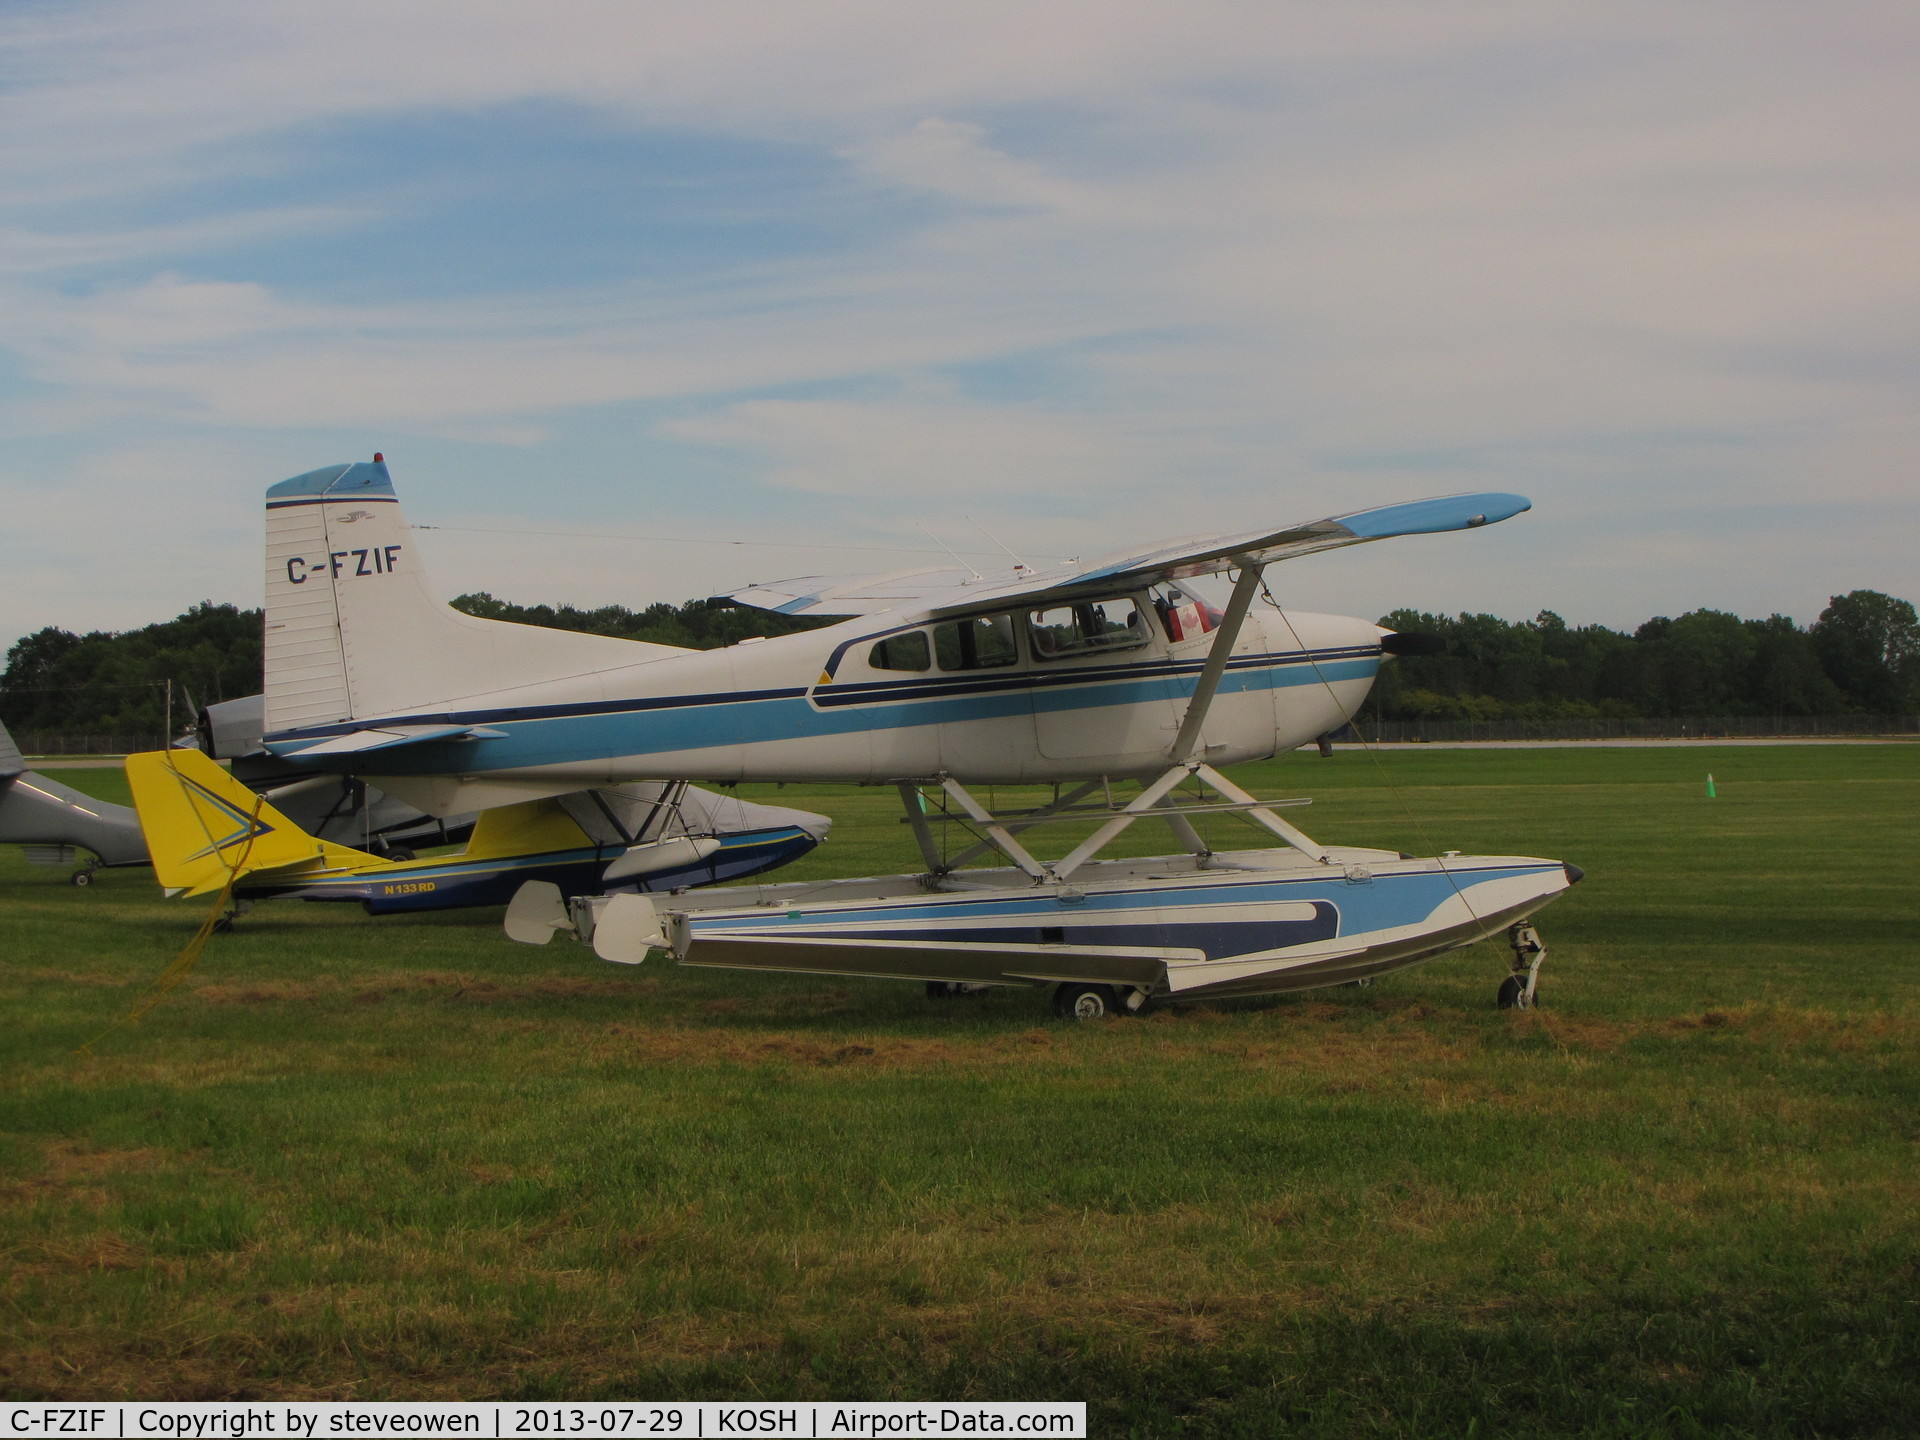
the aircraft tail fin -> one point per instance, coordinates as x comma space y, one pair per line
12, 762
203, 826
355, 631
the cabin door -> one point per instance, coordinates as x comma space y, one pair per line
1098, 679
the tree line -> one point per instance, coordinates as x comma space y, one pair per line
696, 625
1861, 656
116, 682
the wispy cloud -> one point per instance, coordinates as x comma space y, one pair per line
947, 454
1647, 263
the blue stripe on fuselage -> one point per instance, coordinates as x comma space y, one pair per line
552, 735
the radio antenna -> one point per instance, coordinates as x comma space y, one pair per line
949, 549
1018, 564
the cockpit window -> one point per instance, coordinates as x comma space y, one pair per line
1184, 613
902, 652
1086, 629
979, 643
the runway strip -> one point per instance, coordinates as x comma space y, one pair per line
1704, 743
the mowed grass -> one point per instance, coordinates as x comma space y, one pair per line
406, 1158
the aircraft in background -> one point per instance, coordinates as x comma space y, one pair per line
635, 837
55, 822
937, 681
203, 826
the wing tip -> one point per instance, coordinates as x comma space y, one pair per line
1434, 516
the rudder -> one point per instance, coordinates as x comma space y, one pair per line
203, 826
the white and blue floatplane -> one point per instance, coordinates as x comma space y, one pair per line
1114, 682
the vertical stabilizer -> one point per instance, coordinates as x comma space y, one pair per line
306, 663
203, 826
355, 631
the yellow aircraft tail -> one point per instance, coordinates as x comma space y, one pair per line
203, 826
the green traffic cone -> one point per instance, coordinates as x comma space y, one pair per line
1711, 794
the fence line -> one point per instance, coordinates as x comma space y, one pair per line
1696, 727
48, 742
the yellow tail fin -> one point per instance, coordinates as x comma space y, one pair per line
203, 826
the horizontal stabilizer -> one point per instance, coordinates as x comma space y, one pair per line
37, 810
392, 737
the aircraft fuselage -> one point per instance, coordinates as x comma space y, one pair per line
817, 706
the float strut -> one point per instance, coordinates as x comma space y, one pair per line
1524, 974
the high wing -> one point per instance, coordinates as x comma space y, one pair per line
856, 595
1185, 559
949, 591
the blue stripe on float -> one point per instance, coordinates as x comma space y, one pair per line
1217, 940
1383, 902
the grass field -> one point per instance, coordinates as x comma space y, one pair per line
405, 1158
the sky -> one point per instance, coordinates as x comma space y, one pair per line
645, 301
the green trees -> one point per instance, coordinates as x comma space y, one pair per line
1862, 655
1869, 644
106, 682
1785, 676
696, 625
1496, 669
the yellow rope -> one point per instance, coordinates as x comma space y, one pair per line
182, 963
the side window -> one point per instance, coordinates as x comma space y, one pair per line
901, 652
1086, 629
976, 644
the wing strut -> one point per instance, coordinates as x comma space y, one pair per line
1187, 751
1188, 763
1187, 742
